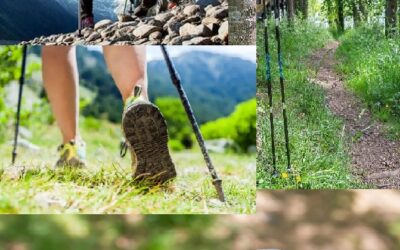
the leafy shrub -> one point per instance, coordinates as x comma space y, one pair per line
179, 128
371, 65
175, 145
240, 126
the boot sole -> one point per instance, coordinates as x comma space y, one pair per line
146, 132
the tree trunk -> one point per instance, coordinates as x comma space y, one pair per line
362, 9
301, 7
340, 15
391, 17
305, 9
356, 14
290, 11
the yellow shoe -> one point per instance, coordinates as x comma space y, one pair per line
72, 154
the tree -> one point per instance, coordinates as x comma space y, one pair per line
391, 17
290, 11
356, 14
301, 8
340, 15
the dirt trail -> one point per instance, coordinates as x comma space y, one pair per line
375, 159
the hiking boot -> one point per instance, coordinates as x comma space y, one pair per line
72, 154
87, 22
146, 134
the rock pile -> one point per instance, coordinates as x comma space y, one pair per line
189, 24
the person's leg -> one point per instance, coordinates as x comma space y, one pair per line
127, 65
60, 77
86, 14
144, 127
86, 8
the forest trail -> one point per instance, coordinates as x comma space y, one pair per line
374, 158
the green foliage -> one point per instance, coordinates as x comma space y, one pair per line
240, 126
10, 71
175, 145
91, 123
10, 60
371, 65
109, 232
318, 153
179, 128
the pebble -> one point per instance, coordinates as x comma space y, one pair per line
200, 22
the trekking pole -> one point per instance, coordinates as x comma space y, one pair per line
217, 182
269, 89
282, 84
21, 85
79, 19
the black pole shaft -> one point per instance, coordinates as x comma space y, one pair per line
79, 18
177, 82
21, 86
282, 84
269, 89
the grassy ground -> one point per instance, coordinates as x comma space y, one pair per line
371, 66
106, 185
319, 153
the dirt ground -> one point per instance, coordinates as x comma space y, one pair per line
375, 158
323, 220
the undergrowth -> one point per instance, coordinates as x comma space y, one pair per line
371, 66
318, 151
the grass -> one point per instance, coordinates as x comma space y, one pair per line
371, 66
105, 186
319, 153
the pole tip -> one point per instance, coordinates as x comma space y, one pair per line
218, 186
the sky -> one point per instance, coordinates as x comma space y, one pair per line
244, 52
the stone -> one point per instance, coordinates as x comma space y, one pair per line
217, 12
93, 36
103, 24
105, 43
126, 18
155, 36
213, 27
69, 39
166, 39
190, 29
176, 41
141, 41
126, 24
198, 41
174, 27
107, 33
145, 30
192, 19
216, 40
156, 23
163, 17
59, 39
223, 31
208, 20
191, 10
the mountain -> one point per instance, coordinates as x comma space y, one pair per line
214, 83
24, 20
